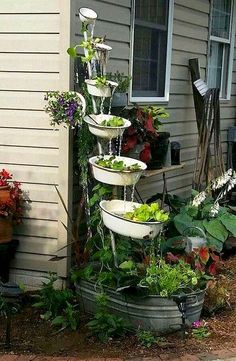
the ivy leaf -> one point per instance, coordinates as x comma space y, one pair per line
229, 221
72, 51
216, 229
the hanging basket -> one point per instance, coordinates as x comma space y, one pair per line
4, 193
6, 229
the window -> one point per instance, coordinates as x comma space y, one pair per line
151, 50
221, 46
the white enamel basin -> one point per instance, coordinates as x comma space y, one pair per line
102, 131
100, 91
112, 212
115, 177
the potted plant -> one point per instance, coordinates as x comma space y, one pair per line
121, 171
120, 97
11, 213
147, 292
143, 139
101, 87
135, 220
65, 108
106, 126
11, 205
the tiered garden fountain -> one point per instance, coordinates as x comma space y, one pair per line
153, 312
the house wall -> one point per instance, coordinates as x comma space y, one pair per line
190, 40
33, 60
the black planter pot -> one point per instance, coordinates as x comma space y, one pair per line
159, 148
7, 252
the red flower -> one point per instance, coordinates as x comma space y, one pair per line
13, 206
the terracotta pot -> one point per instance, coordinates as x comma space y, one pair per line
6, 229
4, 193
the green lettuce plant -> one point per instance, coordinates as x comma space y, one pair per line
147, 213
166, 279
118, 165
113, 122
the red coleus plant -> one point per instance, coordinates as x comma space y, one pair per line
203, 259
12, 204
144, 129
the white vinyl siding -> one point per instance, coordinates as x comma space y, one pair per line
31, 63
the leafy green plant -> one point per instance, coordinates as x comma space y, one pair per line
58, 306
89, 45
101, 81
147, 213
105, 325
118, 165
122, 80
113, 122
165, 279
200, 330
146, 338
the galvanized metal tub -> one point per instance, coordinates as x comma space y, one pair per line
149, 313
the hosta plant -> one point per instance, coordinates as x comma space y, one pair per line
205, 211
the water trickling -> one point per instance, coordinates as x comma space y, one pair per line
120, 142
92, 26
110, 147
102, 105
125, 198
110, 103
132, 193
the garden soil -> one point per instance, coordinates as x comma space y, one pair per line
30, 334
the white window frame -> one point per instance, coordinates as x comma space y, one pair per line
229, 41
166, 97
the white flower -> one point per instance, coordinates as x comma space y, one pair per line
214, 209
222, 180
199, 199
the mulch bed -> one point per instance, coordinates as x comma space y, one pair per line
30, 334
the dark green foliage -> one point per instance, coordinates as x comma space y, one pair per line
105, 325
58, 305
146, 338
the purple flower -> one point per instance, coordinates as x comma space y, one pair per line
197, 324
61, 101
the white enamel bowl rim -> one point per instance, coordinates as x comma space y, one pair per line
143, 165
92, 82
135, 204
88, 13
91, 122
103, 47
